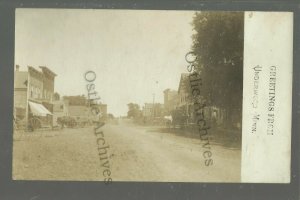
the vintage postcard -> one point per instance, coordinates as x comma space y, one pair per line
152, 96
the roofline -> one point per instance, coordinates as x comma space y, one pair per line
181, 77
47, 69
33, 69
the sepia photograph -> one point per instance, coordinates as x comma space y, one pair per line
129, 95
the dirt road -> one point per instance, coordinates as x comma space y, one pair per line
136, 154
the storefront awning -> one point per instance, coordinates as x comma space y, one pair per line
38, 109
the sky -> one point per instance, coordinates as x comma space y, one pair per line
134, 53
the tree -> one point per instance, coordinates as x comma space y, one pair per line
218, 46
134, 110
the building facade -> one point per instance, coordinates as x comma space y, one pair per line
184, 101
151, 110
33, 93
60, 109
78, 106
170, 100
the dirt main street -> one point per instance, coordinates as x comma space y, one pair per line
136, 153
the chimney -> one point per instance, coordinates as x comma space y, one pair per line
17, 68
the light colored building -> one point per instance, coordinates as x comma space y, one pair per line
20, 93
33, 93
170, 100
79, 106
153, 110
103, 110
60, 109
78, 110
147, 110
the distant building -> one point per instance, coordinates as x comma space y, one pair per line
147, 110
170, 100
33, 94
153, 110
78, 110
103, 110
78, 100
60, 109
78, 106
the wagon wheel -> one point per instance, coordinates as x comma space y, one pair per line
35, 123
67, 123
73, 124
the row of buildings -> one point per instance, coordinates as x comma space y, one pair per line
35, 99
179, 101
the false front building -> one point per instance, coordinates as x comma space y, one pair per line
33, 95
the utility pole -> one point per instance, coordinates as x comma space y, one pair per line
153, 105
